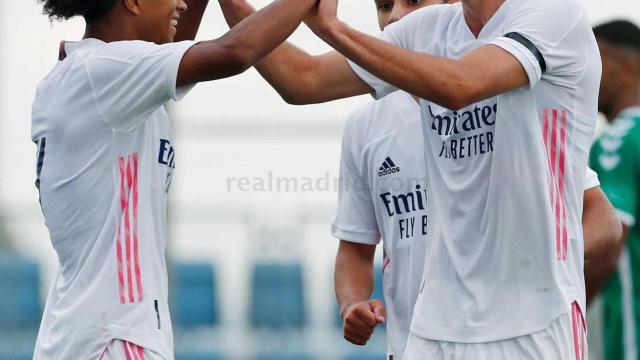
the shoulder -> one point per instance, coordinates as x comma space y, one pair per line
551, 7
567, 12
125, 51
378, 118
358, 125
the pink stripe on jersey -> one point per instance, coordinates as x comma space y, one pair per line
557, 201
136, 254
561, 165
127, 351
129, 214
386, 261
119, 234
127, 229
551, 163
141, 353
555, 144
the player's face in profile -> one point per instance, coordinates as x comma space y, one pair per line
159, 19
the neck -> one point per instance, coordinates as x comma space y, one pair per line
626, 100
477, 13
111, 28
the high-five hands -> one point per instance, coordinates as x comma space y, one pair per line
360, 319
322, 17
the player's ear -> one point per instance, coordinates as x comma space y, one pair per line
133, 6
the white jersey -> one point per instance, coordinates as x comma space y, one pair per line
105, 164
383, 195
505, 175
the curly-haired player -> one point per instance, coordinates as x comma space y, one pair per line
106, 159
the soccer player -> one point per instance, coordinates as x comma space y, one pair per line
508, 104
106, 160
383, 194
616, 158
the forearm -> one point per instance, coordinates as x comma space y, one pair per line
297, 76
354, 280
259, 34
190, 20
451, 83
602, 229
428, 77
598, 270
599, 236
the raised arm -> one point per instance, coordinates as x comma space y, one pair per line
245, 44
190, 20
297, 76
448, 82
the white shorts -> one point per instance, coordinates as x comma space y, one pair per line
123, 350
565, 339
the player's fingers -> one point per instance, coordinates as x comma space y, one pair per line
356, 339
366, 315
355, 324
379, 311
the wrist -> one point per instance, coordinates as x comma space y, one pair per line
346, 305
332, 30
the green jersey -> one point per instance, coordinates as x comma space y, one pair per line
616, 159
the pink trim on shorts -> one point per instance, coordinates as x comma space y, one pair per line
579, 332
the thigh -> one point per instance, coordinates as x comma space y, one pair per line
124, 350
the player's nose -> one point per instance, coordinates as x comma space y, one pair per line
182, 6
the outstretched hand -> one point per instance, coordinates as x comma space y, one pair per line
322, 16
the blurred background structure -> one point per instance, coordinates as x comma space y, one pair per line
250, 250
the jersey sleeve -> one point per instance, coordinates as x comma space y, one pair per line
131, 79
355, 217
616, 160
549, 39
591, 179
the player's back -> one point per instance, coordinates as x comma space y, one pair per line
74, 185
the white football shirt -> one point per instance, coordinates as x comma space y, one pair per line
105, 164
382, 196
505, 175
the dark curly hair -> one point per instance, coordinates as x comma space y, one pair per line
66, 9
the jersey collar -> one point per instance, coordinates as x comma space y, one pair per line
68, 47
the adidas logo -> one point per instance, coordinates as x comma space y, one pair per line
388, 167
